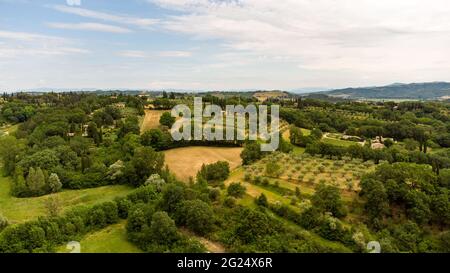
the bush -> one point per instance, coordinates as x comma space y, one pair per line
214, 194
196, 215
215, 173
3, 222
262, 201
230, 202
236, 190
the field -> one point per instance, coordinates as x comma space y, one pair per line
186, 162
151, 119
19, 210
112, 239
303, 172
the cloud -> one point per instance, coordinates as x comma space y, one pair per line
143, 54
73, 2
26, 36
120, 19
352, 37
26, 44
90, 27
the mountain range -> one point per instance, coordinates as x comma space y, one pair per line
421, 91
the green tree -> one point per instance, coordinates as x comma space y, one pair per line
144, 163
214, 173
162, 229
54, 183
295, 135
236, 190
53, 205
273, 169
317, 133
197, 216
262, 201
3, 222
36, 182
167, 119
10, 149
327, 198
251, 153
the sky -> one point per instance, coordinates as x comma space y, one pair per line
222, 44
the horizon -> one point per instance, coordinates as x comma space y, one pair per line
221, 45
305, 90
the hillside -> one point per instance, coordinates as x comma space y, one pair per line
424, 91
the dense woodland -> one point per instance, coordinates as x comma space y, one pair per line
82, 140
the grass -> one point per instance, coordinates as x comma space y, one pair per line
19, 210
151, 119
10, 129
112, 239
338, 142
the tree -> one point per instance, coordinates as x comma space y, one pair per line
236, 190
3, 222
162, 229
214, 173
54, 183
10, 149
167, 119
317, 134
19, 186
156, 138
262, 201
411, 144
197, 216
80, 145
328, 199
295, 135
130, 125
144, 163
155, 179
273, 169
418, 206
377, 204
53, 205
36, 182
388, 143
251, 153
93, 132
172, 196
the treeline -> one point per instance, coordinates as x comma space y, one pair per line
44, 234
82, 141
426, 123
403, 201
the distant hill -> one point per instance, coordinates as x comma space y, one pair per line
422, 91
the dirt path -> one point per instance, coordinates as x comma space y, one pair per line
212, 247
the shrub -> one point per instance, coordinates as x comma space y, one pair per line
236, 190
262, 200
197, 216
229, 202
3, 222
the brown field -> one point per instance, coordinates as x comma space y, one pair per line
151, 119
186, 162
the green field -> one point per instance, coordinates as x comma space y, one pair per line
338, 142
19, 210
112, 239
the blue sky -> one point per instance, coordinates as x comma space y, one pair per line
222, 45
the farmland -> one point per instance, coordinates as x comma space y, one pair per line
151, 119
186, 162
107, 187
